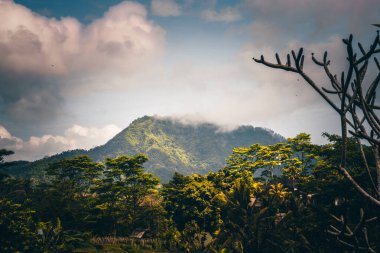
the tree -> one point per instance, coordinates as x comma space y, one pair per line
122, 189
353, 97
53, 238
66, 194
193, 199
243, 227
76, 173
292, 159
17, 228
306, 152
5, 152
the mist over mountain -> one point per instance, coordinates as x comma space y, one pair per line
171, 146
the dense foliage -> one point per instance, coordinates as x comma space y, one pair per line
281, 197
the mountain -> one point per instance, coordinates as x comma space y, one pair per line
170, 145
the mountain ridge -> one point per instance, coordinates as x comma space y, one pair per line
171, 146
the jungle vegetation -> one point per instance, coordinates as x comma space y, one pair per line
283, 197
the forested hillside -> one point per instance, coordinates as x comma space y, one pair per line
170, 145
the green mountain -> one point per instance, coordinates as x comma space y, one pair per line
170, 145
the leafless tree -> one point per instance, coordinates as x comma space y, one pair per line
353, 97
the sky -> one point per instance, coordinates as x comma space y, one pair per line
75, 73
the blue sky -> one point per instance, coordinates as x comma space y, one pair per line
74, 73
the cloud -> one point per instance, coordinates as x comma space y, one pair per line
228, 14
165, 8
282, 100
40, 55
7, 141
313, 19
4, 133
121, 36
76, 137
192, 119
45, 60
246, 92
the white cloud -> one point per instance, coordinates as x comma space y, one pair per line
228, 14
165, 8
8, 141
43, 59
122, 37
76, 137
4, 133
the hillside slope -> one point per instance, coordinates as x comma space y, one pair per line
170, 145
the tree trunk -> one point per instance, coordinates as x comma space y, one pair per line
377, 160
